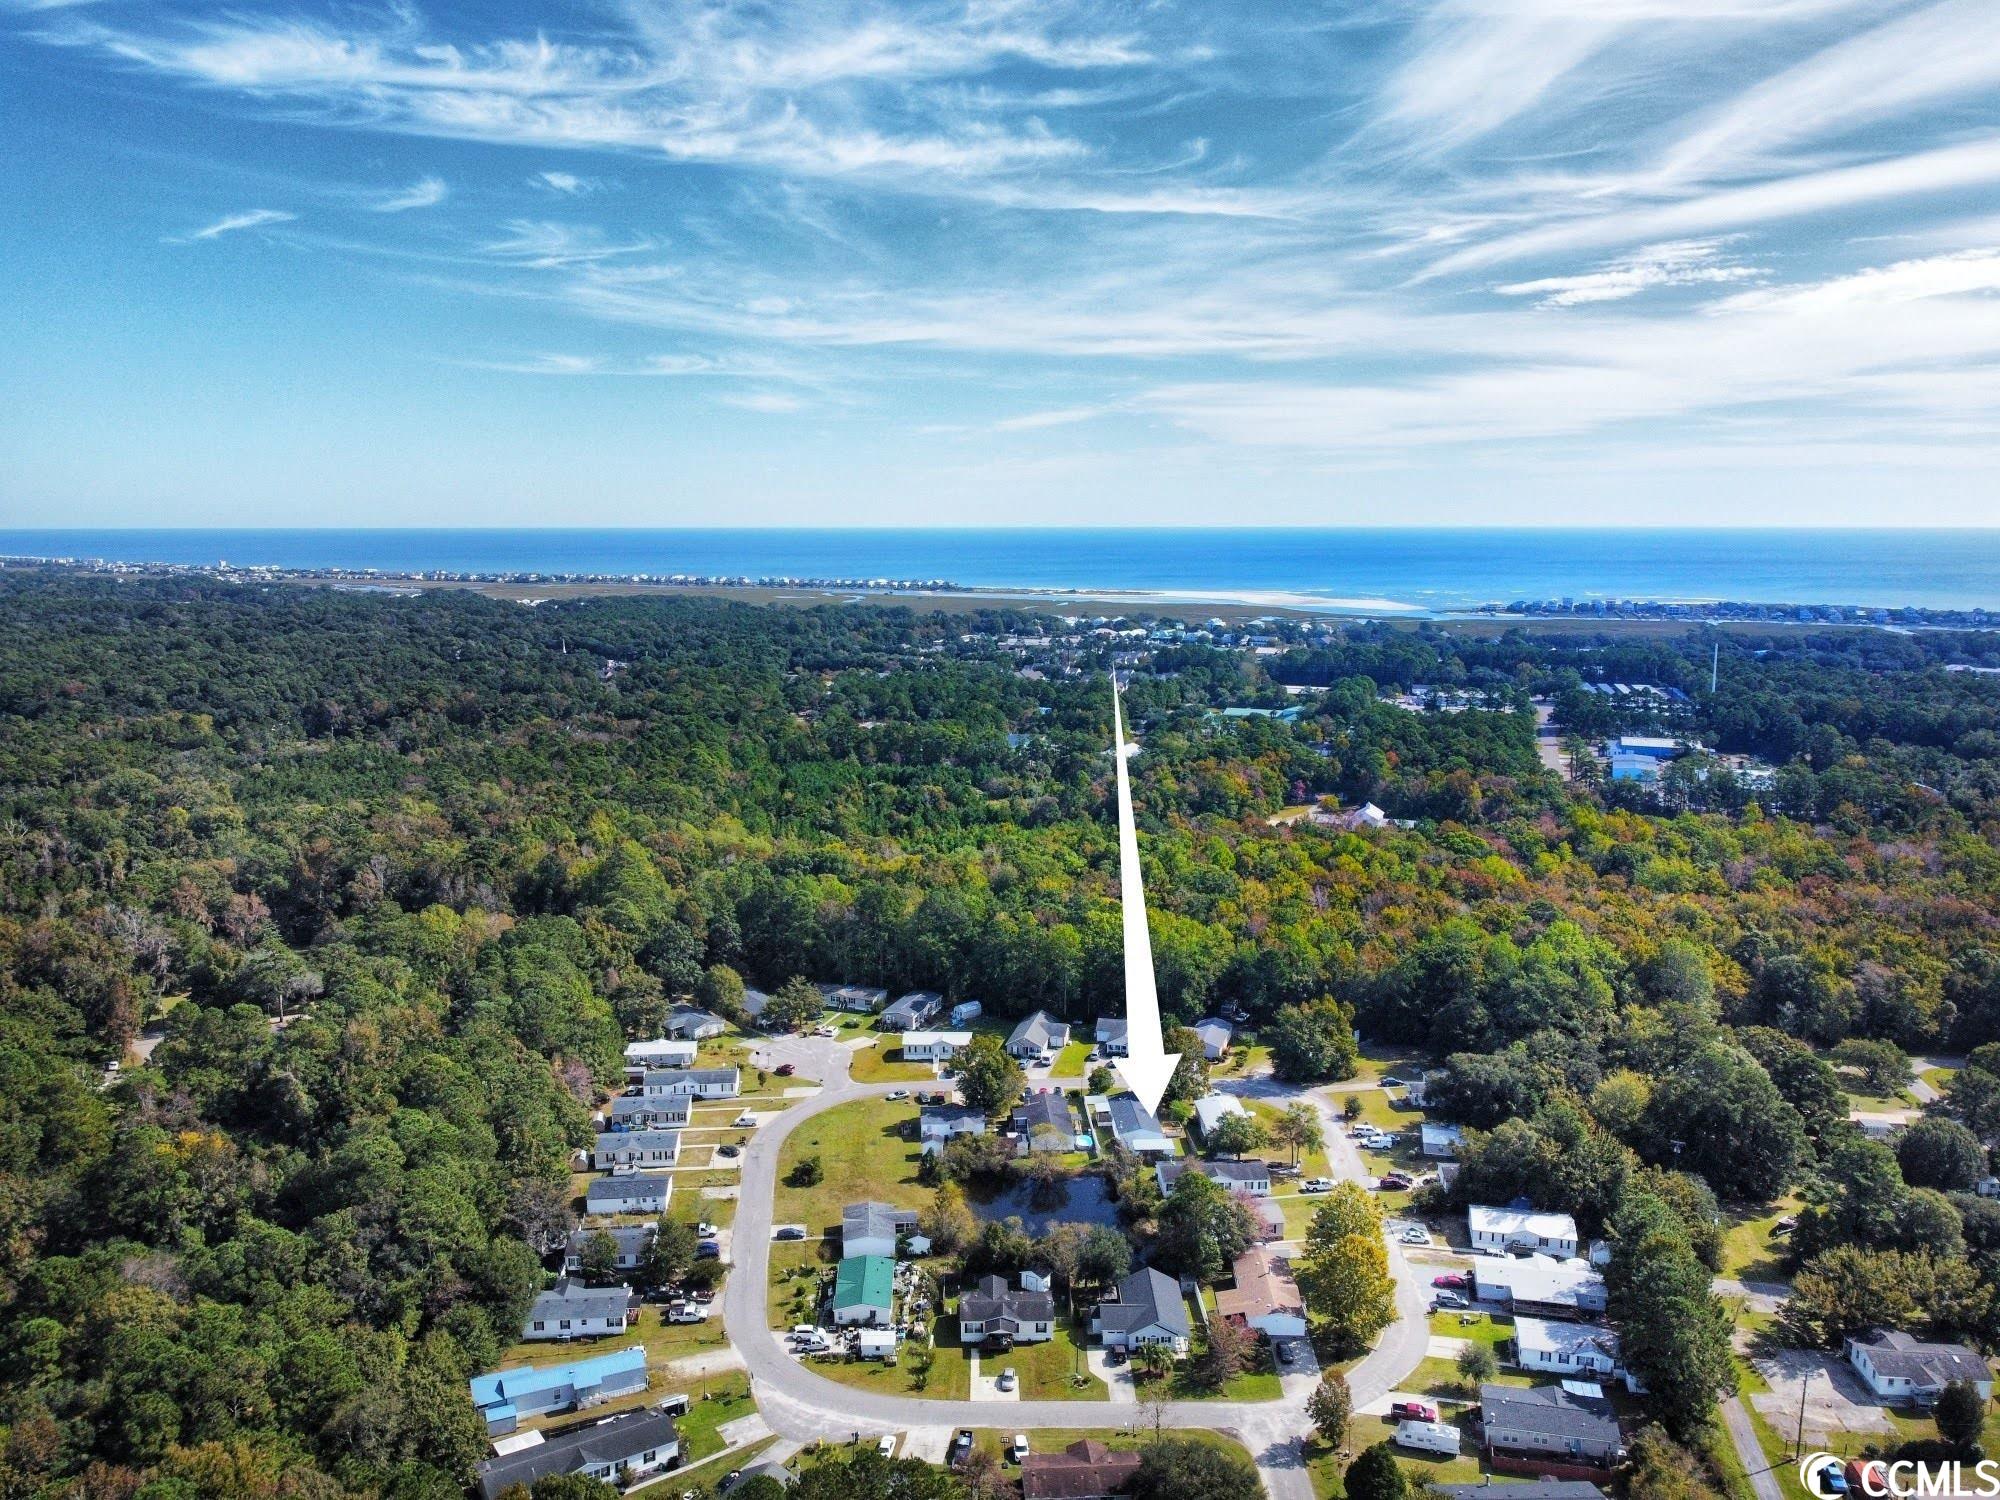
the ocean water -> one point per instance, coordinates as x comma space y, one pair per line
1419, 570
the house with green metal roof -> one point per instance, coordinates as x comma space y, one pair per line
864, 1291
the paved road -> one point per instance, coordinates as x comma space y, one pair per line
803, 1406
1762, 1478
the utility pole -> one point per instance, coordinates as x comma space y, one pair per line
1714, 661
1799, 1441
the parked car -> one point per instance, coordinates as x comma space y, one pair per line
685, 1312
1412, 1411
1454, 1279
789, 1232
727, 1150
1416, 1236
1286, 1353
1393, 1182
1007, 1379
961, 1448
706, 1230
1448, 1299
785, 1070
1018, 1449
1391, 1081
746, 1121
895, 1094
1282, 1168
887, 1447
1316, 1185
708, 1250
1520, 1252
1115, 1357
805, 1331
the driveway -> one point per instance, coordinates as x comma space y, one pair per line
1118, 1378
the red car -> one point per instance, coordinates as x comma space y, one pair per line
785, 1070
1395, 1181
1451, 1279
1412, 1411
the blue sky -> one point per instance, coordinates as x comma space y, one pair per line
1644, 262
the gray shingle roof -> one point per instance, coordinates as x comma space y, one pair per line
1547, 1409
875, 1220
572, 1299
1893, 1352
1041, 1030
610, 1441
1144, 1298
645, 1187
993, 1298
1130, 1117
1043, 1109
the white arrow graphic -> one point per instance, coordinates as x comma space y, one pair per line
1147, 1068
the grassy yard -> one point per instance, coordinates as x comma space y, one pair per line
725, 1402
863, 1153
1327, 1467
949, 1378
883, 1063
1311, 1163
1750, 1249
796, 1269
1485, 1328
1070, 1062
1438, 1378
1242, 1061
1136, 1434
709, 1470
1379, 1062
1048, 1371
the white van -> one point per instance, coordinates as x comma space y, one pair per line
1428, 1437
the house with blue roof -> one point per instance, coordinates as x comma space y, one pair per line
503, 1397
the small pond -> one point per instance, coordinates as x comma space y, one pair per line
1082, 1199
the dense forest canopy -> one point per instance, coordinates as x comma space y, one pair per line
462, 860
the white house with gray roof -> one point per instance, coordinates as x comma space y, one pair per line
1215, 1034
571, 1310
695, 1083
938, 1123
1546, 1424
1904, 1370
914, 1010
1037, 1034
1112, 1035
1249, 1176
638, 1112
630, 1444
1145, 1308
934, 1046
632, 1240
629, 1191
874, 1229
636, 1148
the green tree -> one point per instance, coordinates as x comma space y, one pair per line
721, 990
1184, 1469
1936, 1152
1720, 1115
1202, 1229
1298, 1128
1375, 1475
1960, 1414
1662, 1469
1190, 1080
794, 1005
1673, 1332
1331, 1408
1313, 1042
599, 1257
1343, 1274
1236, 1134
1476, 1364
988, 1079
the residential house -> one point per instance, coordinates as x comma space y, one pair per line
938, 1123
571, 1310
617, 1450
1144, 1308
1085, 1470
1537, 1286
997, 1314
640, 1112
1265, 1296
1571, 1349
1497, 1230
636, 1148
1249, 1176
695, 1024
934, 1046
1132, 1125
861, 998
1268, 1216
1042, 1122
1440, 1142
1546, 1429
1351, 819
632, 1240
660, 1052
872, 1229
914, 1011
754, 1002
1215, 1034
1902, 1369
696, 1083
1210, 1110
1112, 1036
629, 1191
1038, 1034
864, 1291
503, 1397
966, 1011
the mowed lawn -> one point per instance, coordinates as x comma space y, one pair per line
1311, 1163
1048, 1371
867, 1149
948, 1379
1752, 1250
883, 1063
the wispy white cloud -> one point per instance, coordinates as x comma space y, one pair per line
253, 218
568, 184
773, 403
425, 192
1675, 263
